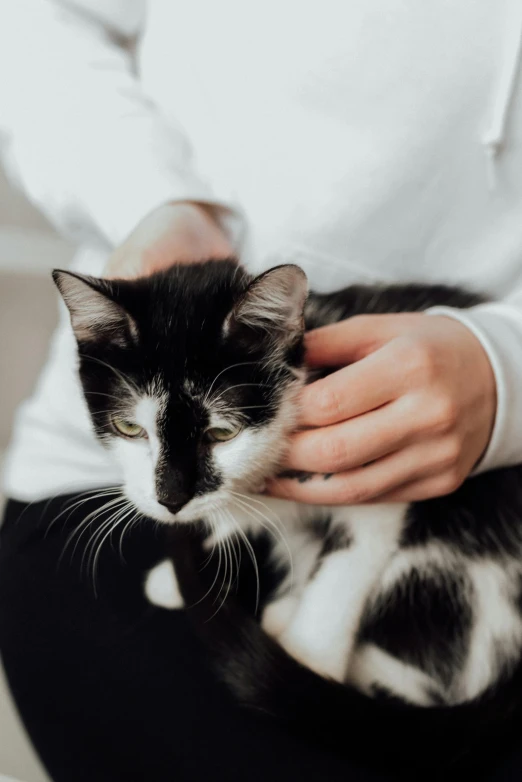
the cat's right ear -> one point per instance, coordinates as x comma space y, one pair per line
272, 306
95, 314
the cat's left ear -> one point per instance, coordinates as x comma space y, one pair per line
272, 305
96, 316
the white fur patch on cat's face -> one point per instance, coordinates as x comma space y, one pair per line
138, 458
246, 460
242, 462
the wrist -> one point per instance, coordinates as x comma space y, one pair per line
483, 370
178, 232
195, 220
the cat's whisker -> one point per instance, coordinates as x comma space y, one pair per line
86, 523
82, 528
117, 506
228, 544
224, 549
85, 496
252, 555
89, 521
101, 393
207, 561
232, 366
236, 539
244, 502
236, 555
133, 388
95, 536
216, 399
106, 530
253, 500
102, 541
128, 526
221, 556
216, 543
246, 407
107, 411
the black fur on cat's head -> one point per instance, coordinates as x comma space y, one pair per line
191, 377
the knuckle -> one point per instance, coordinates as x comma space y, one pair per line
327, 404
334, 453
451, 481
450, 453
443, 414
419, 359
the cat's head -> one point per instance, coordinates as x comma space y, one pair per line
191, 377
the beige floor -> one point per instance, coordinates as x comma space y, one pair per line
17, 757
22, 350
28, 249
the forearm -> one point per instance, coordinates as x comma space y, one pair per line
81, 137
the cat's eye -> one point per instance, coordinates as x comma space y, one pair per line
220, 434
128, 428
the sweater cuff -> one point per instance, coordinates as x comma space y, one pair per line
498, 327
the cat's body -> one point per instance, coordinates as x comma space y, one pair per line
420, 602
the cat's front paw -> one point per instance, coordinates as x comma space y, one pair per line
161, 586
278, 615
312, 654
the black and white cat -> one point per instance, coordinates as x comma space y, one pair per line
191, 377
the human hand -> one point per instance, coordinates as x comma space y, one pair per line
407, 421
174, 233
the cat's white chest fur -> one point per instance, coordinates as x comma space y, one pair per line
330, 598
318, 608
317, 611
161, 586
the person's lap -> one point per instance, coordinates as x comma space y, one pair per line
112, 688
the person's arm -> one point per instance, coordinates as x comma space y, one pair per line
77, 132
498, 327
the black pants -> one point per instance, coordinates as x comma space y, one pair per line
111, 688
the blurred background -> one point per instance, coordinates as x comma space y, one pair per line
29, 249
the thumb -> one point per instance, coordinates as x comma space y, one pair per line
339, 344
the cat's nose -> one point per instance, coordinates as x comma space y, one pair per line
174, 506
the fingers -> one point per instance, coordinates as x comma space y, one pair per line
352, 339
424, 489
419, 438
384, 480
355, 442
353, 390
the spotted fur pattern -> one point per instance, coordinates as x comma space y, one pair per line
421, 602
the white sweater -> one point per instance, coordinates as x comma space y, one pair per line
364, 140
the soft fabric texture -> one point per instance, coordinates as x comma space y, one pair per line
364, 143
112, 689
123, 689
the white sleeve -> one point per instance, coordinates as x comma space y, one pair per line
498, 326
78, 134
